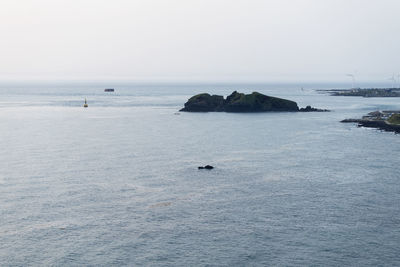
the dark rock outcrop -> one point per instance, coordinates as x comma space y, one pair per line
204, 103
351, 120
382, 125
207, 167
238, 102
311, 109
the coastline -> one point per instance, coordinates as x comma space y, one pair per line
363, 92
378, 120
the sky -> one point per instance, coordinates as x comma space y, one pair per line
200, 40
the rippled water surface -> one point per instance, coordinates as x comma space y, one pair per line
117, 183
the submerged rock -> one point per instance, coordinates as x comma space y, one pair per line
238, 102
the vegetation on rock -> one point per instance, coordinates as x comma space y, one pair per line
256, 102
204, 103
394, 119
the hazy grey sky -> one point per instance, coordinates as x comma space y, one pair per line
199, 39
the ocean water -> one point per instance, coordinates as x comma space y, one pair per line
117, 183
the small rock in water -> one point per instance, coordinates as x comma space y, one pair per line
311, 109
208, 167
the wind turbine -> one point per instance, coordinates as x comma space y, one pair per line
398, 80
392, 79
353, 78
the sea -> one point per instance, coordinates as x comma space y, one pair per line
118, 184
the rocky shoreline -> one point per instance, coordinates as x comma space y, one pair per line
382, 120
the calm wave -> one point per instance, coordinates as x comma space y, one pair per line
117, 183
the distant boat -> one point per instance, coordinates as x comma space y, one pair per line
85, 105
109, 90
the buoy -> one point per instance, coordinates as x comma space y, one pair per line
85, 105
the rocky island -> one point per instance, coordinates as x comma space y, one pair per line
383, 120
239, 102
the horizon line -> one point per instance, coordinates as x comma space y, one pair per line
181, 80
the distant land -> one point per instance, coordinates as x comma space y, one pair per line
383, 120
239, 102
366, 92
